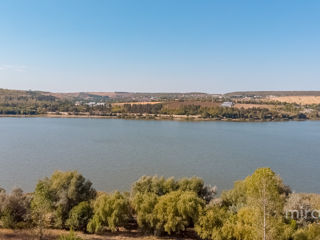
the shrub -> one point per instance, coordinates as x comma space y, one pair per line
156, 185
80, 216
311, 232
176, 211
65, 190
41, 206
14, 209
161, 186
144, 204
197, 185
147, 200
235, 198
110, 211
70, 236
211, 222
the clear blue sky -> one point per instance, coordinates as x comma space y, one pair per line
160, 45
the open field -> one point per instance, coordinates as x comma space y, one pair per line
273, 93
248, 106
140, 103
54, 234
178, 104
304, 100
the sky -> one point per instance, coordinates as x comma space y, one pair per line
160, 45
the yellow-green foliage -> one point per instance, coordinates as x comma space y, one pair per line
111, 211
161, 186
154, 184
70, 236
14, 208
65, 190
243, 225
235, 198
167, 205
252, 209
176, 211
264, 190
143, 204
311, 232
80, 216
211, 222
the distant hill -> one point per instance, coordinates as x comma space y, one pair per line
273, 93
6, 94
23, 95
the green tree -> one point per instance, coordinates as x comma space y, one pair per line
197, 185
154, 184
66, 190
143, 205
211, 222
235, 198
176, 211
111, 211
147, 192
41, 206
310, 232
161, 186
243, 225
14, 208
265, 198
80, 216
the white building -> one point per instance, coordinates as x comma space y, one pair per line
227, 104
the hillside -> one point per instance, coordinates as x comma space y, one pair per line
97, 96
272, 93
139, 96
243, 106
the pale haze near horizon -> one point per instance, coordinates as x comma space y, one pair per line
159, 46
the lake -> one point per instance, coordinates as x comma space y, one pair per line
113, 153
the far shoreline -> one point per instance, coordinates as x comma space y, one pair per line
148, 117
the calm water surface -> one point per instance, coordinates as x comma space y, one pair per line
114, 153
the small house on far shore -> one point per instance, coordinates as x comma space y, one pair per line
227, 104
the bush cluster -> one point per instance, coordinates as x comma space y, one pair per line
254, 208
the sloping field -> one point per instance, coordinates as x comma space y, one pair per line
138, 103
174, 104
274, 93
297, 99
248, 106
177, 104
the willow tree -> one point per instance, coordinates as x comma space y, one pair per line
65, 190
111, 211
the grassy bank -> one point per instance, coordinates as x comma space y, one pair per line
51, 234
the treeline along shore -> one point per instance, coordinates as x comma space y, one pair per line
260, 206
160, 106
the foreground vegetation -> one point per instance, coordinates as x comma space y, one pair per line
56, 234
254, 209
